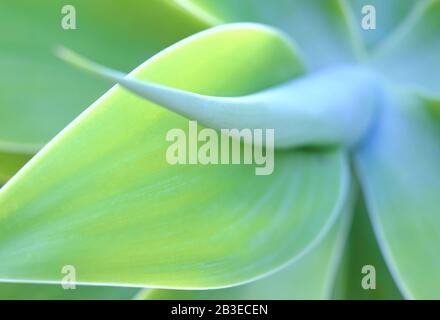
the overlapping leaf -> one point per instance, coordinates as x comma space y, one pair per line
312, 276
387, 17
39, 95
362, 251
323, 30
400, 174
102, 197
411, 54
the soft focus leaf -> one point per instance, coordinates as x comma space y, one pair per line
39, 95
10, 164
102, 197
323, 30
389, 15
400, 175
19, 291
310, 277
54, 92
314, 110
411, 55
362, 250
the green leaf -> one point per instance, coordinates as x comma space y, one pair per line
389, 15
411, 55
311, 276
400, 175
331, 107
102, 197
11, 163
40, 95
362, 250
19, 291
323, 30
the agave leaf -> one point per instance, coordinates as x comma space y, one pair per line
362, 250
108, 203
39, 95
310, 277
389, 15
411, 54
10, 163
314, 110
323, 30
400, 175
19, 291
29, 66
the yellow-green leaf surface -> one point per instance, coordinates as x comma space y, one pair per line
400, 175
40, 95
310, 277
19, 291
10, 163
102, 197
323, 30
298, 110
411, 54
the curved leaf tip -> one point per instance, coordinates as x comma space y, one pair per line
332, 107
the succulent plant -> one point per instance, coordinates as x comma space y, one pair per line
356, 180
